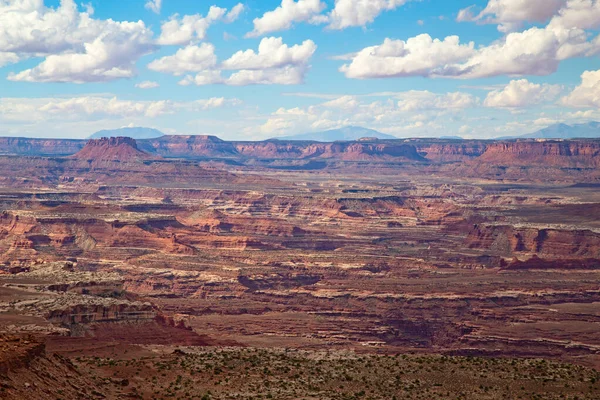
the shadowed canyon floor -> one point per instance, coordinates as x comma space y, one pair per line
185, 267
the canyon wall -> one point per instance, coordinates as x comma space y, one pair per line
574, 154
582, 153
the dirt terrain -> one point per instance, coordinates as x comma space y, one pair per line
199, 262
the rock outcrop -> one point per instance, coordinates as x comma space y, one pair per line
553, 243
570, 154
120, 149
36, 147
189, 146
451, 151
27, 372
348, 151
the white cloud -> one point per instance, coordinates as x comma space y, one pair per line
545, 121
147, 85
98, 108
348, 13
420, 55
582, 14
77, 47
465, 129
511, 14
288, 75
273, 125
79, 108
466, 14
154, 5
8, 58
272, 53
235, 13
284, 16
343, 103
209, 77
188, 59
413, 111
274, 63
190, 28
424, 100
536, 51
208, 104
521, 93
345, 14
586, 95
106, 58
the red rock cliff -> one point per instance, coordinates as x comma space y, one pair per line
574, 154
121, 149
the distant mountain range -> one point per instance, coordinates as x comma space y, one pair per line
557, 131
346, 133
563, 131
134, 133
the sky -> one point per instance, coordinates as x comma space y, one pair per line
259, 69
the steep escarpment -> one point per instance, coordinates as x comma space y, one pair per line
26, 371
189, 146
451, 151
552, 243
569, 154
47, 147
530, 160
481, 157
121, 149
348, 151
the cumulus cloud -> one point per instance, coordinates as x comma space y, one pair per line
209, 77
510, 15
345, 14
466, 14
284, 16
108, 57
424, 100
234, 13
154, 5
274, 63
521, 93
8, 58
536, 51
343, 103
587, 94
188, 59
418, 56
81, 108
184, 30
288, 75
147, 85
77, 47
348, 13
582, 14
399, 112
272, 53
98, 108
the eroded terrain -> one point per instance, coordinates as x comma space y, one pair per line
433, 249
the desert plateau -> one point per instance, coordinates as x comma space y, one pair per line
192, 267
300, 200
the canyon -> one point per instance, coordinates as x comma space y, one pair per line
186, 250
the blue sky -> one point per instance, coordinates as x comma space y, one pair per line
259, 69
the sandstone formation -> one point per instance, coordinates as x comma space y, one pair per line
430, 246
119, 149
571, 154
189, 146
